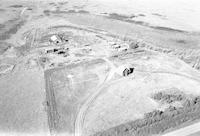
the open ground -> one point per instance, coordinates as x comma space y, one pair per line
62, 69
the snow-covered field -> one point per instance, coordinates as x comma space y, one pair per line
177, 14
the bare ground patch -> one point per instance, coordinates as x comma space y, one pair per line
11, 27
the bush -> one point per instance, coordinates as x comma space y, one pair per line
157, 121
168, 98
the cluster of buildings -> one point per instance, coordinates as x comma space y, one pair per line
119, 47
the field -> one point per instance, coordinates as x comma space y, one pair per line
67, 89
124, 105
195, 134
65, 68
129, 99
22, 103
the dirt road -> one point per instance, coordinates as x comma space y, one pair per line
185, 131
83, 110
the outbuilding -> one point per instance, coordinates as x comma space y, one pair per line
128, 71
55, 39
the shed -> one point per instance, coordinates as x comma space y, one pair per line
55, 39
128, 71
